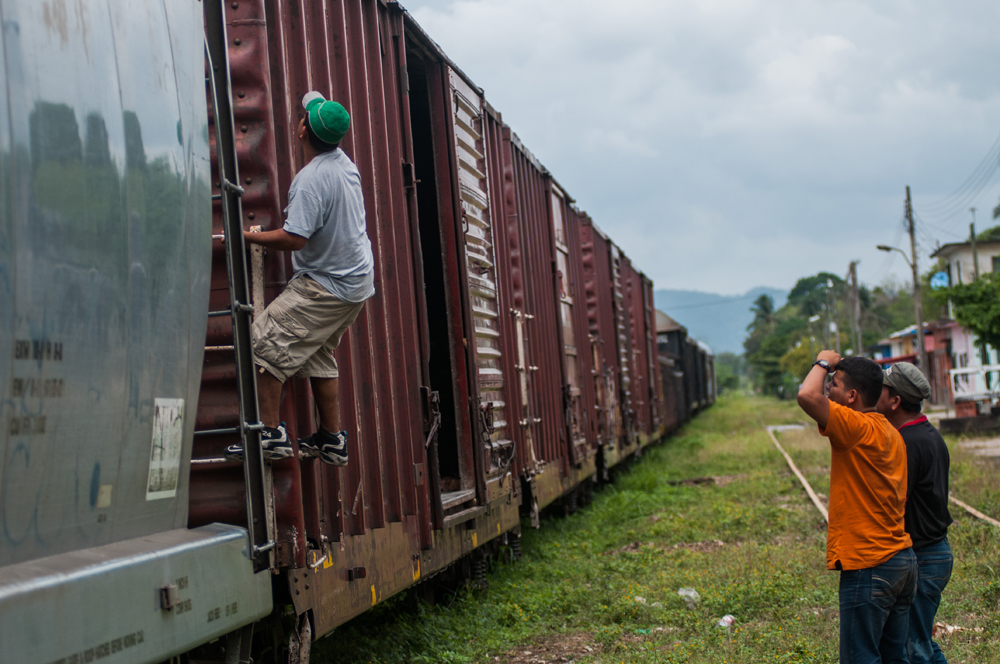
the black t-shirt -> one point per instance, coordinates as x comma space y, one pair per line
927, 460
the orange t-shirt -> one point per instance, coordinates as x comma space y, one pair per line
867, 489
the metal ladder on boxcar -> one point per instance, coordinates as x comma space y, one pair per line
240, 310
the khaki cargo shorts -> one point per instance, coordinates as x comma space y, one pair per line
298, 332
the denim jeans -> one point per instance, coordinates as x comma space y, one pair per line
874, 611
934, 564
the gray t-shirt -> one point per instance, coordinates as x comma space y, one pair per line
325, 206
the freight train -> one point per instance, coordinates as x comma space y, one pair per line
511, 357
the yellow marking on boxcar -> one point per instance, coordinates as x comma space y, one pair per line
475, 541
374, 597
498, 527
416, 572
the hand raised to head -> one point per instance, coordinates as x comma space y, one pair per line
831, 356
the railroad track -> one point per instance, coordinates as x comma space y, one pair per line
819, 504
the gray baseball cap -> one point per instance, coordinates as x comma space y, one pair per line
908, 381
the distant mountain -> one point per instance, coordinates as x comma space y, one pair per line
718, 320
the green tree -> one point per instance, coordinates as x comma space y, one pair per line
990, 234
766, 364
891, 309
797, 361
977, 307
761, 325
809, 293
729, 370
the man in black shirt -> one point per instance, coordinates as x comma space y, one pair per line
927, 518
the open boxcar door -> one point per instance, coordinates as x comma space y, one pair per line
472, 452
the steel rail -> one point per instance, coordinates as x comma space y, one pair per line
795, 469
819, 505
973, 511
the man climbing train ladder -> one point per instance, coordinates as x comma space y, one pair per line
297, 334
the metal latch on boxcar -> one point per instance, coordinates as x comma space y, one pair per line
432, 413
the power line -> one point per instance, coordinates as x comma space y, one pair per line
883, 271
709, 304
986, 167
961, 207
923, 222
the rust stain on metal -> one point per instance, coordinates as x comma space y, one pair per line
55, 18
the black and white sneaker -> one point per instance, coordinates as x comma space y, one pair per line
331, 448
273, 442
234, 453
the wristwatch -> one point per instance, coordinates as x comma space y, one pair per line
824, 364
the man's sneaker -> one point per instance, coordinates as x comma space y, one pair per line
234, 453
273, 442
329, 447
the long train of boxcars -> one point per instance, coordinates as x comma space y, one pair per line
511, 356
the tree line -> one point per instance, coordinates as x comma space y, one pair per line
781, 344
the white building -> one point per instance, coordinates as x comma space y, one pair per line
972, 374
960, 264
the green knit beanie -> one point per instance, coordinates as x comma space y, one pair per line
327, 119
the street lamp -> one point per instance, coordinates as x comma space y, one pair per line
917, 305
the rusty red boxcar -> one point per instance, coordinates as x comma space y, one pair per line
509, 350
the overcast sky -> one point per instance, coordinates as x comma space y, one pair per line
726, 144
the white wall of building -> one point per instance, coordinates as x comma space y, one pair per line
960, 265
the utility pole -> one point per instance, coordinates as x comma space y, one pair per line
835, 326
826, 310
855, 307
917, 303
975, 270
972, 238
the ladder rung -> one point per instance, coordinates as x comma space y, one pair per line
211, 460
219, 348
247, 308
228, 430
230, 186
216, 197
265, 548
217, 432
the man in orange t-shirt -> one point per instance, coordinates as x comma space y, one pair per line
866, 538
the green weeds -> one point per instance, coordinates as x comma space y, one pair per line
601, 585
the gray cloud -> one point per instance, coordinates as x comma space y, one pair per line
727, 144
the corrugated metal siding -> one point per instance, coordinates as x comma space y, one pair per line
480, 265
640, 317
532, 210
565, 232
669, 392
510, 287
585, 405
654, 381
596, 252
349, 51
625, 344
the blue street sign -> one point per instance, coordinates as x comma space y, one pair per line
939, 280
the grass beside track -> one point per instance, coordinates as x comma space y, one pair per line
601, 585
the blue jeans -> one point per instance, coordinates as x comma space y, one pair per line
874, 611
934, 564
